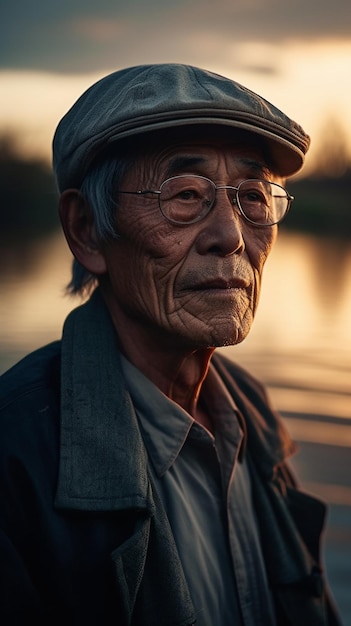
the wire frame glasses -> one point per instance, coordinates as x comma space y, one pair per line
188, 198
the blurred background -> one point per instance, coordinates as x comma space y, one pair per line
296, 55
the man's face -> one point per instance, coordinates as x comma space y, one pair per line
191, 285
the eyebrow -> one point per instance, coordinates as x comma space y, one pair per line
257, 167
183, 163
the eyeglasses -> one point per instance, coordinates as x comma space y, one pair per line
187, 199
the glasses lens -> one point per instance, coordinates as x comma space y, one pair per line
186, 199
262, 202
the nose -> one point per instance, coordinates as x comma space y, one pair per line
222, 228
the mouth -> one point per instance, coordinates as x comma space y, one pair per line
220, 284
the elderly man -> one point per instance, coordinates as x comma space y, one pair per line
145, 478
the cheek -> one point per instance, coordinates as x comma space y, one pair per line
148, 236
144, 266
158, 255
259, 246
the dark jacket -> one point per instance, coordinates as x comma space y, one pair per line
84, 537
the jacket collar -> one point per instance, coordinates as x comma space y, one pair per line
102, 458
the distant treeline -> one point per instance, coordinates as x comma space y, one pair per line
29, 197
322, 205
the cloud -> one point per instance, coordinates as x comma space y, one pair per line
85, 35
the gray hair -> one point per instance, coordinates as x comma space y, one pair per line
99, 191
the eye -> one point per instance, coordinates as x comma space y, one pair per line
188, 195
253, 195
184, 190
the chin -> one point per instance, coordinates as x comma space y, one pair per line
230, 334
228, 341
217, 333
230, 338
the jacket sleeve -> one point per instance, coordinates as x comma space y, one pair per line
19, 602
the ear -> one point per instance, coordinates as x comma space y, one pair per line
78, 226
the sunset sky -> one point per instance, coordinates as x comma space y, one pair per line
296, 54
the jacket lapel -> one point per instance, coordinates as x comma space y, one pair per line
161, 594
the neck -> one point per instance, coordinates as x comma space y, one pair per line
178, 372
180, 377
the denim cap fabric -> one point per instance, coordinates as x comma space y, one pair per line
138, 100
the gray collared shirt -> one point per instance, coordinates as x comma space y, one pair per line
207, 496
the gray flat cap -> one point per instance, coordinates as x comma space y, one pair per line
145, 98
